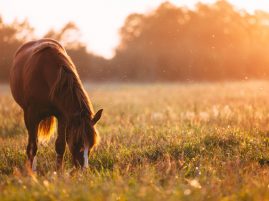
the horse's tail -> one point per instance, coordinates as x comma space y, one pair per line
47, 127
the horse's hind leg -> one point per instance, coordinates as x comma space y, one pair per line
32, 126
60, 144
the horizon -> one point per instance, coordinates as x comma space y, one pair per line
101, 37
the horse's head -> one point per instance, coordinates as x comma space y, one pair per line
82, 136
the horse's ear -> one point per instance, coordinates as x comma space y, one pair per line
97, 116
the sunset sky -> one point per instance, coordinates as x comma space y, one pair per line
98, 20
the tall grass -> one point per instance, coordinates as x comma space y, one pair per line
159, 142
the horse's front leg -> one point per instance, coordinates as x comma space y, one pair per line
32, 128
60, 144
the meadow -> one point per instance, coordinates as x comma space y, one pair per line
180, 141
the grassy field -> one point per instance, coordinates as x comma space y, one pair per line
159, 142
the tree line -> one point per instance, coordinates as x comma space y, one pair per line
171, 43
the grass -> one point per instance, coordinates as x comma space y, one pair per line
159, 142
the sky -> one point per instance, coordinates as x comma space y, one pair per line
98, 20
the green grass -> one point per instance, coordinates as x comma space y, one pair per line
158, 142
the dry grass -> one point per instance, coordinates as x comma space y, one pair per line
159, 142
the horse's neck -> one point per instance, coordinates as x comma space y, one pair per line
69, 107
73, 99
73, 107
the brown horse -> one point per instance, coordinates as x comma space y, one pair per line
45, 83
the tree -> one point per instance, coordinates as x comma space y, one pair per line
11, 37
212, 42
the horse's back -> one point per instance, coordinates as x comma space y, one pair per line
34, 69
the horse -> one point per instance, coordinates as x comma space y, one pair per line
45, 84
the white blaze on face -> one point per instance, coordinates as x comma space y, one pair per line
86, 159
